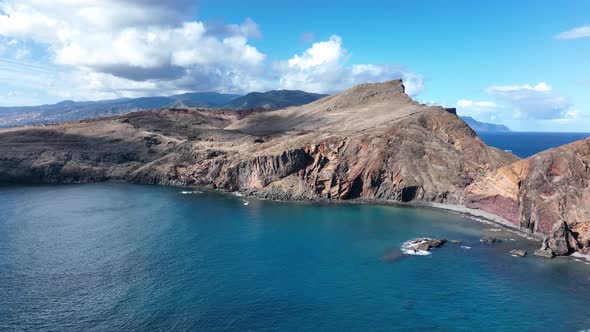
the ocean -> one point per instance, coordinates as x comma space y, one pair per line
119, 257
526, 144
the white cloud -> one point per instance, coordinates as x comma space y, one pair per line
471, 103
518, 103
323, 68
538, 102
116, 48
133, 39
541, 87
481, 110
575, 33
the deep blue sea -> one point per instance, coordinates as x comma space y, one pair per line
116, 257
526, 144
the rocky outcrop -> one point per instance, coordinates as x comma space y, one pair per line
369, 142
421, 246
518, 252
547, 195
488, 240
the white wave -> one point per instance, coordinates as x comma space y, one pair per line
191, 192
495, 229
466, 247
237, 194
409, 248
246, 203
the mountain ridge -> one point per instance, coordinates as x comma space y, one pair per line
69, 110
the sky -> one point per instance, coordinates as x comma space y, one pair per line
522, 63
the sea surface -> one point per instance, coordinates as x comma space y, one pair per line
526, 144
117, 257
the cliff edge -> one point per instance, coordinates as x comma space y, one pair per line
371, 141
546, 194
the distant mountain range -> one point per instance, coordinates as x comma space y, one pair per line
71, 111
483, 127
274, 99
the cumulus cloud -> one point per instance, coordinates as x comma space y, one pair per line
480, 110
480, 104
115, 48
520, 102
538, 102
137, 41
323, 68
575, 33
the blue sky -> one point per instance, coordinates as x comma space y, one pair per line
521, 63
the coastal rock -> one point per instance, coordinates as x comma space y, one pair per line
545, 251
421, 246
518, 252
546, 195
488, 240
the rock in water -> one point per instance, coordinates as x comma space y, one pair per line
488, 240
421, 246
456, 241
518, 252
545, 251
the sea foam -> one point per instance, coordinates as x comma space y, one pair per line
190, 192
409, 248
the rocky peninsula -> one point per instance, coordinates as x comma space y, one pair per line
371, 142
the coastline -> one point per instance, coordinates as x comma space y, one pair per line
473, 214
483, 216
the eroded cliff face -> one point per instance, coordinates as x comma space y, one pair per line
369, 142
546, 194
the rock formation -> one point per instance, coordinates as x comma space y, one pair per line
488, 240
421, 246
547, 194
370, 142
518, 252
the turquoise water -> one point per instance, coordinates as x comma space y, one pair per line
114, 257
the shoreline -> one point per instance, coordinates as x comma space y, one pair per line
473, 214
483, 216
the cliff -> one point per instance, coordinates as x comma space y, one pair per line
371, 141
547, 194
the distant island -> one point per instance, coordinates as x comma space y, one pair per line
483, 127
